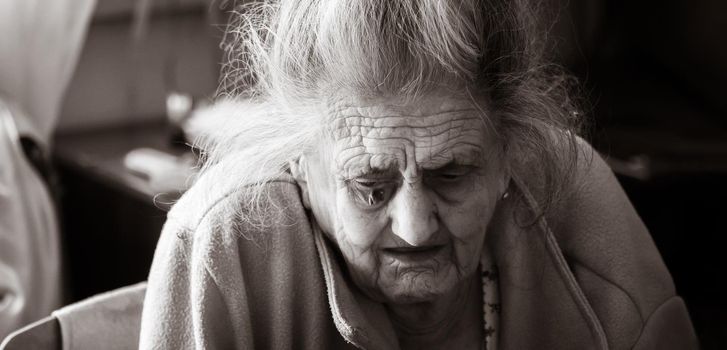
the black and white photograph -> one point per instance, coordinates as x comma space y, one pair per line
363, 174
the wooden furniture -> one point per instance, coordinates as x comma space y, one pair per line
110, 217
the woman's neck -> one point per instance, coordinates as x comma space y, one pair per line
453, 319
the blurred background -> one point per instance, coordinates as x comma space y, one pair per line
118, 154
653, 75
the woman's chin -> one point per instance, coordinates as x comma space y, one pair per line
416, 288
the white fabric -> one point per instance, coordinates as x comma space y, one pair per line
39, 47
29, 247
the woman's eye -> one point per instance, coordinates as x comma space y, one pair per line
371, 194
450, 176
453, 175
366, 183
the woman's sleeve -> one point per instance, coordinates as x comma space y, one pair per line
668, 327
614, 258
184, 307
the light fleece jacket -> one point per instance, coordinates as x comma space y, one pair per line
587, 276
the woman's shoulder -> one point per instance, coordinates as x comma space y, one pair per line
213, 197
214, 259
608, 248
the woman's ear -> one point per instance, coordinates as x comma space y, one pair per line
505, 179
299, 170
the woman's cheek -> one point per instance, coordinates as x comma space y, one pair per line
467, 218
467, 222
359, 228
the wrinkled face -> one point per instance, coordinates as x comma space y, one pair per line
406, 192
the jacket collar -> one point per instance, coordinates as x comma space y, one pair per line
360, 320
542, 304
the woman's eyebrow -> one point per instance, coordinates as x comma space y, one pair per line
368, 171
451, 165
453, 156
386, 171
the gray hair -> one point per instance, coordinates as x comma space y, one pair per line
283, 56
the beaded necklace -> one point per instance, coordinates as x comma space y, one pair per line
490, 301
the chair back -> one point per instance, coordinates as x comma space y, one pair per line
111, 320
44, 334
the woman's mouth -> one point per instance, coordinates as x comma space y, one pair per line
414, 255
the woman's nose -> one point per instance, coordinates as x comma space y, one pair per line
413, 215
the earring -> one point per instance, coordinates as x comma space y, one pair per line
505, 195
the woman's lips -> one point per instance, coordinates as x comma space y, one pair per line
414, 254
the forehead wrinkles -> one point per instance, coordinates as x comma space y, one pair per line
407, 142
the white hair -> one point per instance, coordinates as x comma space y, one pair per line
284, 57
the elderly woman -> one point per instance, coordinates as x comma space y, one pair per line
403, 174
